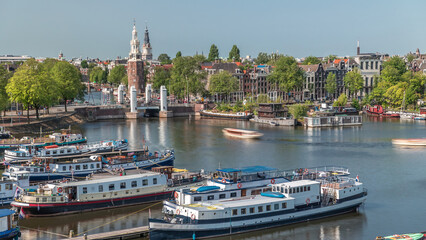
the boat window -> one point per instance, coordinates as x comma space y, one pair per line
61, 151
304, 188
9, 186
64, 168
276, 206
53, 152
85, 190
47, 152
210, 197
97, 165
268, 207
297, 189
233, 194
122, 185
221, 196
37, 199
28, 169
100, 188
53, 199
260, 209
41, 169
92, 165
243, 211
197, 199
62, 199
70, 168
134, 184
283, 205
285, 190
85, 166
309, 188
77, 167
234, 212
35, 169
154, 181
0, 187
44, 199
145, 182
111, 187
252, 210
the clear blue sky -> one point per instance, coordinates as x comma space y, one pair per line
95, 28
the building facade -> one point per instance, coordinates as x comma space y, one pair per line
135, 65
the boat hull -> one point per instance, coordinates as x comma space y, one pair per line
41, 210
225, 116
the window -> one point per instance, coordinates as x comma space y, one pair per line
362, 65
221, 196
276, 206
252, 210
35, 169
44, 199
37, 199
9, 186
85, 166
62, 151
98, 165
234, 212
53, 199
233, 194
285, 190
53, 152
92, 165
377, 65
100, 188
260, 209
309, 188
111, 187
197, 199
297, 189
243, 211
134, 184
85, 190
210, 197
64, 168
77, 167
47, 152
283, 205
304, 188
145, 182
366, 65
122, 185
268, 207
154, 181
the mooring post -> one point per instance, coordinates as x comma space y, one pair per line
71, 233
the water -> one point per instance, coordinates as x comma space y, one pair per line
395, 177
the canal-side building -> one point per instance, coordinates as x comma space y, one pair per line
135, 65
314, 85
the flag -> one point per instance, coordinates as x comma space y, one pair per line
22, 215
17, 192
357, 178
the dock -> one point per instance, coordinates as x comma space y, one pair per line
131, 233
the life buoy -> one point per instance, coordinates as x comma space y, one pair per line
308, 201
176, 195
223, 180
192, 216
59, 189
272, 181
239, 185
178, 212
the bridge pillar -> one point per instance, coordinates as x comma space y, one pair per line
163, 98
148, 91
120, 94
133, 100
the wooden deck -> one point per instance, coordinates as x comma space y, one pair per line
130, 233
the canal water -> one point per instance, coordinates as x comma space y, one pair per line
395, 177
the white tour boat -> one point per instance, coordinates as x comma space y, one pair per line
241, 133
8, 186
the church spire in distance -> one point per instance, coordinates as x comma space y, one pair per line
135, 52
146, 47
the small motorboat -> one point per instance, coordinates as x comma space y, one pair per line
273, 123
241, 133
409, 141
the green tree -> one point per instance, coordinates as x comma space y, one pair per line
92, 65
353, 81
274, 57
32, 85
97, 75
355, 104
67, 79
263, 98
395, 94
214, 53
200, 58
125, 80
397, 63
262, 58
341, 101
116, 75
311, 60
178, 54
84, 64
5, 75
377, 95
186, 77
234, 54
161, 77
164, 59
298, 111
330, 58
223, 83
331, 84
410, 57
287, 74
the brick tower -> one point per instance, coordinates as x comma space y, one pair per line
135, 64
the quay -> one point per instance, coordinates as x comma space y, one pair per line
131, 233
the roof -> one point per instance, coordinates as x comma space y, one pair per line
298, 183
236, 202
309, 68
251, 169
6, 212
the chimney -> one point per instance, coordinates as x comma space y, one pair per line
357, 49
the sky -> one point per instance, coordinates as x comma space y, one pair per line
300, 28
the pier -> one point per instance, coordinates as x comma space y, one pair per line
131, 233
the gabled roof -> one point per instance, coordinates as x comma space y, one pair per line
309, 68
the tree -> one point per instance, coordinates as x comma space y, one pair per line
341, 101
274, 57
200, 58
178, 54
186, 77
298, 111
97, 75
263, 98
330, 58
164, 59
355, 104
125, 80
330, 84
234, 54
161, 77
84, 64
223, 83
262, 58
353, 81
214, 53
5, 75
397, 63
395, 94
32, 85
67, 79
410, 58
116, 75
287, 74
311, 60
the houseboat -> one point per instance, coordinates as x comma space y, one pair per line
379, 111
333, 121
59, 139
286, 203
8, 230
241, 133
27, 153
8, 186
234, 116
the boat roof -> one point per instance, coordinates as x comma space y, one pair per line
6, 212
237, 202
250, 169
299, 183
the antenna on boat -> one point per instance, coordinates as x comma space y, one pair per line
219, 165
